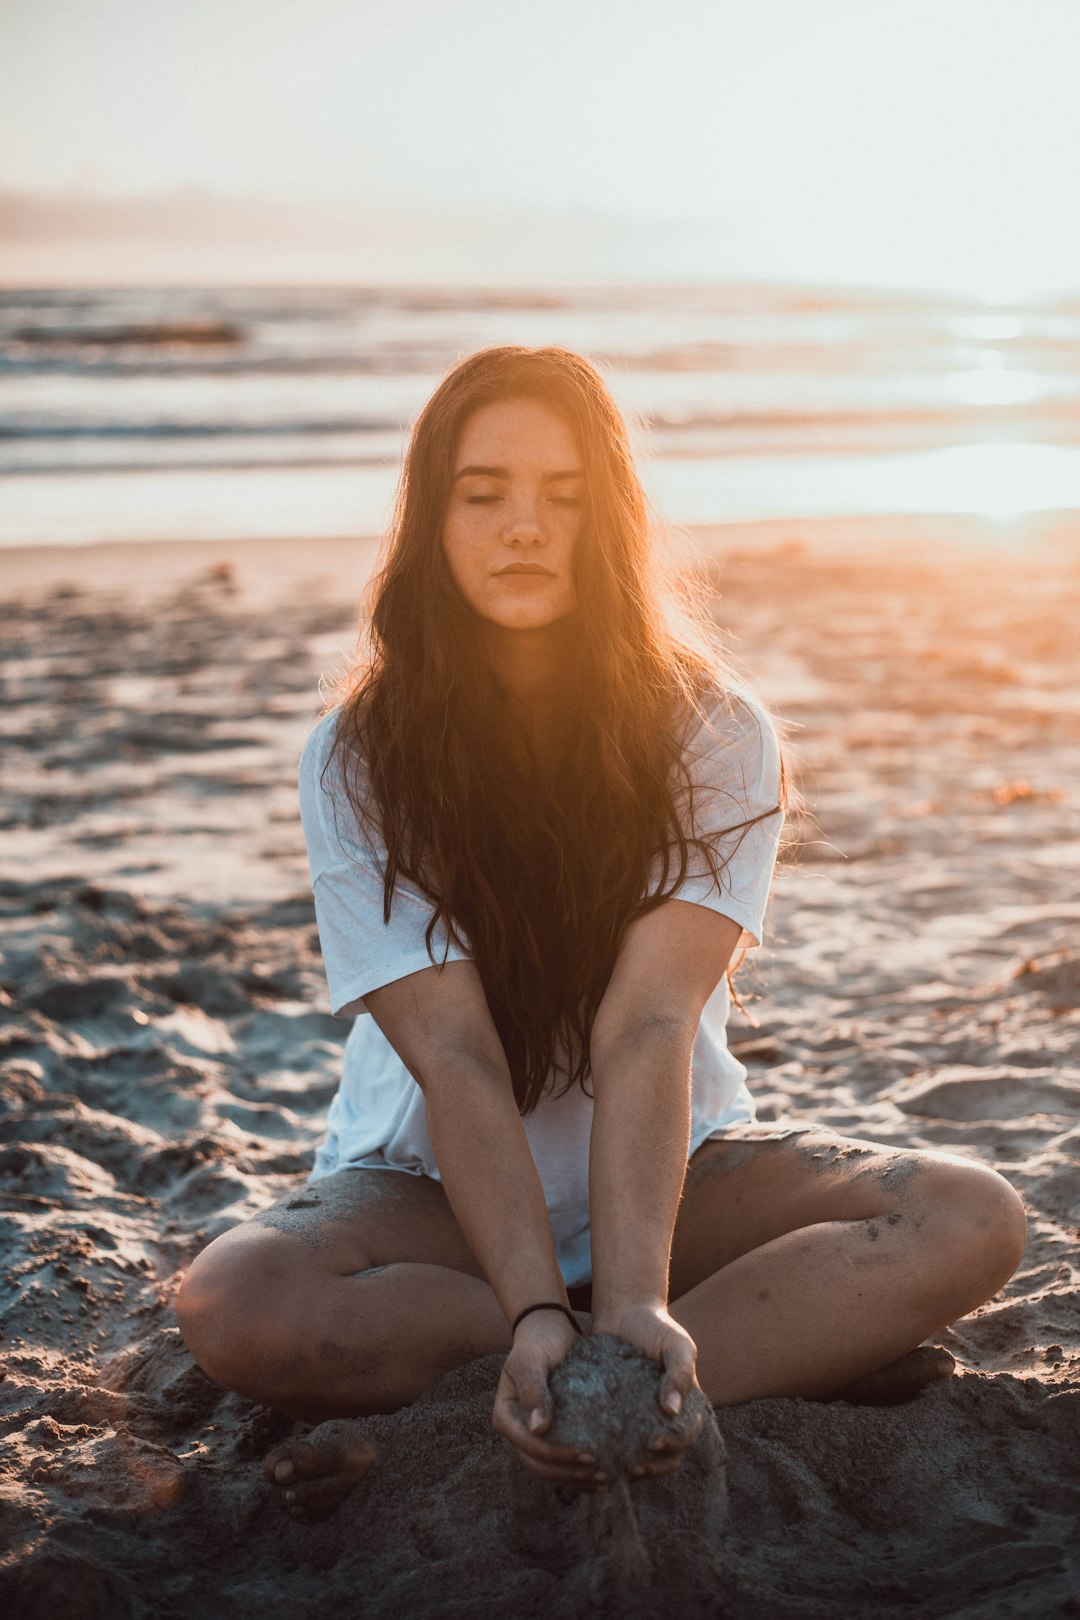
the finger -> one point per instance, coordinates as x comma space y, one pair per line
657, 1469
661, 1461
572, 1479
543, 1457
678, 1437
577, 1487
508, 1421
671, 1444
536, 1405
534, 1400
695, 1428
538, 1455
679, 1375
556, 1456
520, 1413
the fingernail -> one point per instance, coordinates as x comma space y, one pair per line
284, 1471
290, 1496
536, 1418
673, 1402
586, 1457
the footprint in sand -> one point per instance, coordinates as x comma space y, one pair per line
972, 1093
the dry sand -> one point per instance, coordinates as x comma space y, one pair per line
168, 1062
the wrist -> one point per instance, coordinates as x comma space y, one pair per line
609, 1309
616, 1301
543, 1313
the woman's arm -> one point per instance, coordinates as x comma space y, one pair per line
670, 962
439, 1023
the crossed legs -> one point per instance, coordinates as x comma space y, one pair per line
802, 1262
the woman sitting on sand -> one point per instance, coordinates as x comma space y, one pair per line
542, 826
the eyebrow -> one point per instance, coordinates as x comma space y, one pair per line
476, 471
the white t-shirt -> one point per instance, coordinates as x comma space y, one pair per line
377, 1118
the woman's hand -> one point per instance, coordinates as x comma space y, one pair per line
654, 1330
523, 1409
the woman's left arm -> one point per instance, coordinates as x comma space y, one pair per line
670, 962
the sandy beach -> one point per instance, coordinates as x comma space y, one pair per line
168, 1058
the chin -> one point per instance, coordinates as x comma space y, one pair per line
526, 615
507, 621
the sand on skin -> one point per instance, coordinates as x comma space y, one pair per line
168, 1061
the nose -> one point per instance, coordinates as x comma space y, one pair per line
524, 527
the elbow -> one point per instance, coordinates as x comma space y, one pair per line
446, 1071
655, 1036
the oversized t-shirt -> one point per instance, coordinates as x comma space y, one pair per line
377, 1118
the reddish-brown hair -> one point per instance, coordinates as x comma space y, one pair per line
536, 872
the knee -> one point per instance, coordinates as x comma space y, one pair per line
978, 1225
233, 1315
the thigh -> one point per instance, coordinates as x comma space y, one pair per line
354, 1221
760, 1181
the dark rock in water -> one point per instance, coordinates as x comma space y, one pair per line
646, 1547
141, 333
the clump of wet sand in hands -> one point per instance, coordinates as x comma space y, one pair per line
617, 1547
606, 1396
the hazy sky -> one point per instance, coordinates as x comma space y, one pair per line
921, 141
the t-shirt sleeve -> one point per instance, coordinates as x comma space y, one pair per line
733, 759
360, 951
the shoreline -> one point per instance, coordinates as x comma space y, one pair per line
261, 565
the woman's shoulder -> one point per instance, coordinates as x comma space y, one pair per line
331, 779
726, 711
332, 743
319, 746
731, 744
335, 801
319, 777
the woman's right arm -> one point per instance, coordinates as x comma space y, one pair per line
439, 1023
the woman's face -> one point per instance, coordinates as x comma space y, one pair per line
514, 514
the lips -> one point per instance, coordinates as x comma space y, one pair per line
526, 568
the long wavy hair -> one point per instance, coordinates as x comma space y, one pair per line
535, 871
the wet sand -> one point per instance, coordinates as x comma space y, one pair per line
168, 1060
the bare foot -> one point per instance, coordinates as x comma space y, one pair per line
901, 1380
317, 1473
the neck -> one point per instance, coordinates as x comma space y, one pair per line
527, 664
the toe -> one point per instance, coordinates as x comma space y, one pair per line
314, 1498
325, 1465
343, 1447
292, 1460
901, 1380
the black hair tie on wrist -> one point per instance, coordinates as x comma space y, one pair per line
546, 1305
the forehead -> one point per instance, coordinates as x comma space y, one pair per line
517, 433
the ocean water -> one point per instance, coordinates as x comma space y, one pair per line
195, 414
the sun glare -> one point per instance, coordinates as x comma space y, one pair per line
993, 384
1000, 481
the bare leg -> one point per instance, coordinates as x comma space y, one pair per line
349, 1296
804, 1262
